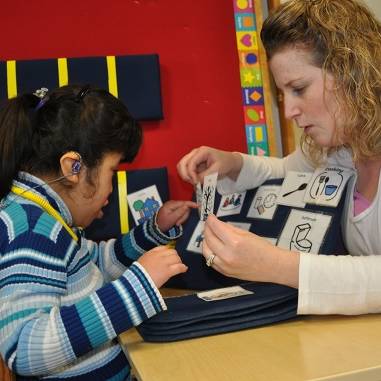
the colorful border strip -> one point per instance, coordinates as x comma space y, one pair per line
251, 78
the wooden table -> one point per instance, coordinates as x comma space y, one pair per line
310, 348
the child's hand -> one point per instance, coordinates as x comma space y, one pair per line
173, 213
162, 263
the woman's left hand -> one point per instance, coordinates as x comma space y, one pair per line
173, 213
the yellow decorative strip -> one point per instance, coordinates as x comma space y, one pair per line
112, 78
44, 205
123, 206
11, 79
63, 77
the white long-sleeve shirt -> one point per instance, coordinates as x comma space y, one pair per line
329, 284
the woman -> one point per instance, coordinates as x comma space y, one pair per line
325, 57
64, 299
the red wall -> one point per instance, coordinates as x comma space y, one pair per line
195, 41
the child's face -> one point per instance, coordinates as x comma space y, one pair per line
89, 200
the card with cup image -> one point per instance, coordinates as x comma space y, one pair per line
327, 185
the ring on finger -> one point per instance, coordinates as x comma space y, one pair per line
210, 259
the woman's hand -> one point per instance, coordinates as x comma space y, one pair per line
244, 255
162, 263
173, 213
205, 160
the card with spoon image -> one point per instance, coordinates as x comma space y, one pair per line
294, 188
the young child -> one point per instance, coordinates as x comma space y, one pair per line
64, 299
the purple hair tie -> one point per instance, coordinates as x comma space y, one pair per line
41, 93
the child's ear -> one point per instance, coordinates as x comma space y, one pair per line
71, 165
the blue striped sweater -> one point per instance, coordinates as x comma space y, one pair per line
62, 302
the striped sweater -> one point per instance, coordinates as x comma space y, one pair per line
63, 302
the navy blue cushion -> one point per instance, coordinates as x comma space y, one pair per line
3, 79
139, 85
32, 75
138, 79
88, 70
190, 316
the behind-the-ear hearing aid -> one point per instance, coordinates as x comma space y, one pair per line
76, 167
77, 164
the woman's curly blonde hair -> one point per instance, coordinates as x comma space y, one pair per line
345, 40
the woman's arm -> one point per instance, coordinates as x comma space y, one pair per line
346, 284
257, 169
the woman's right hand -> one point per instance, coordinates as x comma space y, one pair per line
205, 160
162, 263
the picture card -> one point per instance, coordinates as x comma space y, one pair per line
294, 188
195, 242
327, 185
208, 195
223, 293
231, 204
304, 231
199, 198
265, 202
144, 203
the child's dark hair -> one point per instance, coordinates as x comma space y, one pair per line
34, 134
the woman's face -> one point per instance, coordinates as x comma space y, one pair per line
87, 200
308, 96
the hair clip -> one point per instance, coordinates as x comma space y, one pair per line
41, 93
82, 93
